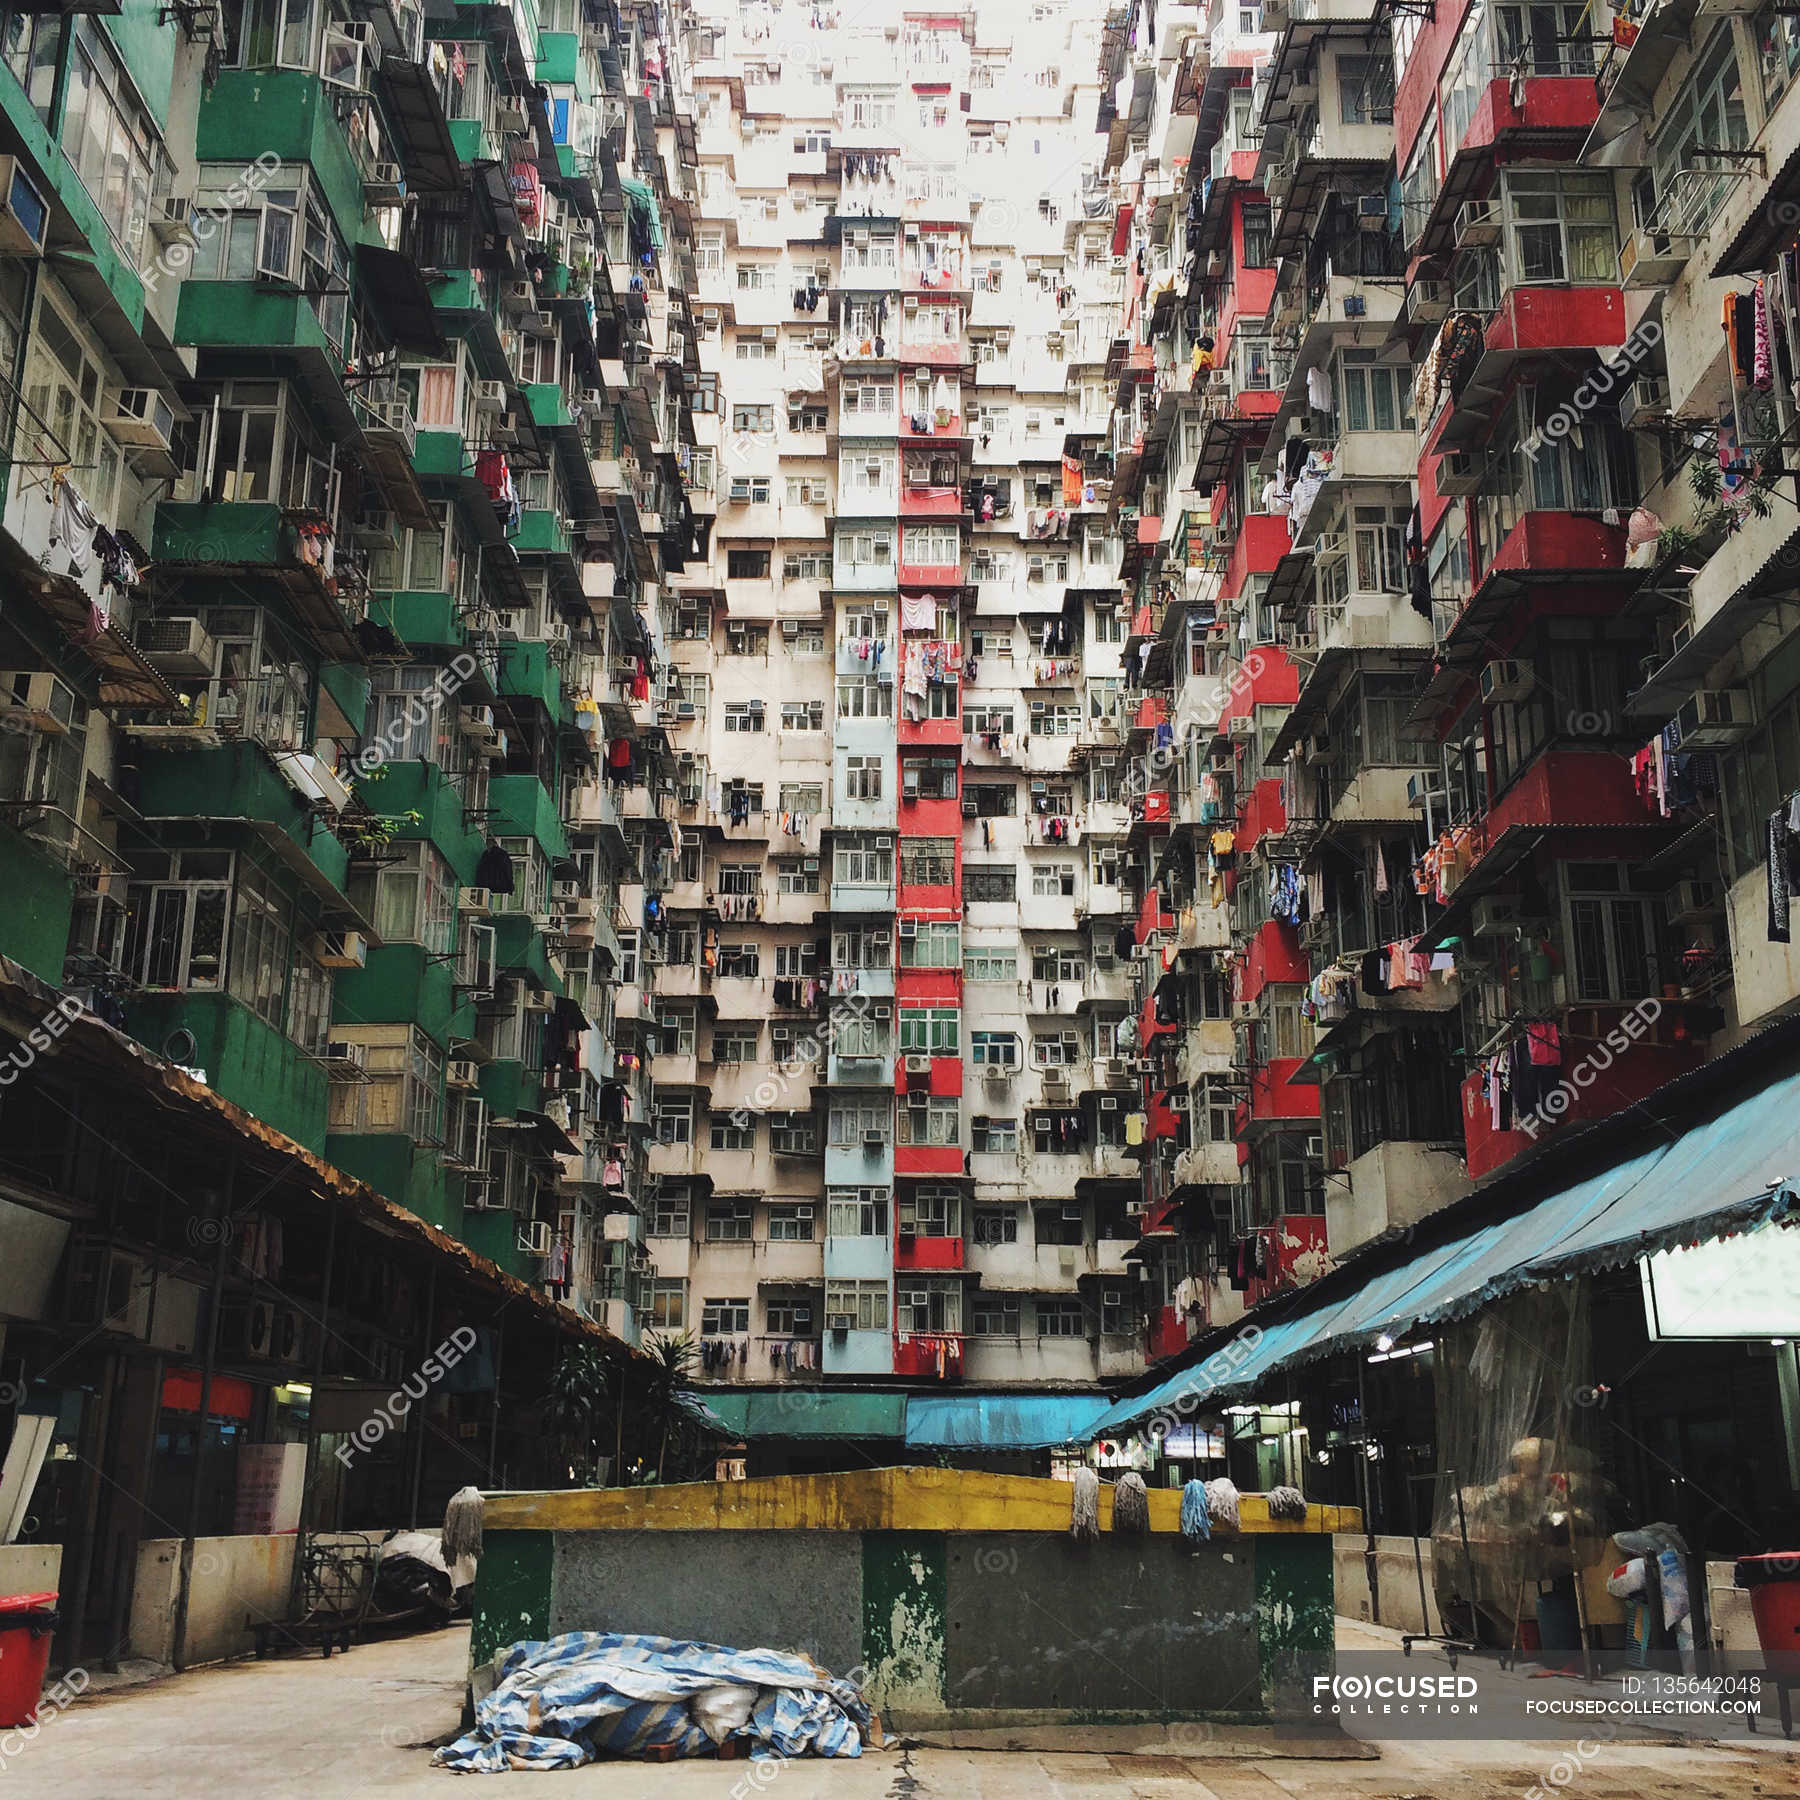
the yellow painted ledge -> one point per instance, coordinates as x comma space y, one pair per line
862, 1500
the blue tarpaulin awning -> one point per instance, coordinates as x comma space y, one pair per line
1737, 1171
1000, 1421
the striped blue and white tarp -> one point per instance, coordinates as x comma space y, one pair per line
567, 1700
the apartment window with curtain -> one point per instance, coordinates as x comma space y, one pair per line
1561, 228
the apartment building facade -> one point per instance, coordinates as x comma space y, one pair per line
1470, 675
351, 403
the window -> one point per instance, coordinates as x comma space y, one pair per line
992, 1136
1365, 89
735, 1043
404, 1089
411, 899
932, 945
805, 565
856, 1306
1376, 396
729, 1222
755, 278
937, 545
1060, 1318
864, 1123
807, 490
753, 419
1049, 880
1561, 228
795, 961
990, 882
856, 1212
743, 717
1611, 935
929, 1308
992, 799
862, 778
988, 722
928, 862
1258, 228
747, 565
996, 1225
673, 1119
989, 964
110, 140
863, 863
669, 1216
994, 1049
791, 1224
796, 877
794, 1134
935, 1122
993, 1315
789, 1317
803, 715
746, 640
930, 1031
929, 777
665, 1305
931, 1212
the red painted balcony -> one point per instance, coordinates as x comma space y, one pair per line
1591, 788
942, 1078
931, 575
928, 1252
1295, 1254
940, 987
929, 1357
927, 1159
1152, 916
1262, 541
1165, 1333
938, 733
1262, 815
1274, 1094
937, 355
924, 502
933, 817
1604, 1067
1273, 954
1161, 1120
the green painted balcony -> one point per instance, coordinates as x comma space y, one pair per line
403, 984
424, 804
527, 673
421, 621
522, 807
541, 533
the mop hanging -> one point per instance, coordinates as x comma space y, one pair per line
462, 1524
1131, 1504
1222, 1503
1287, 1504
1196, 1524
1084, 1507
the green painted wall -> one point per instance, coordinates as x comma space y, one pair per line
348, 686
1295, 1631
905, 1599
558, 60
395, 1167
34, 923
512, 1598
421, 621
246, 1060
249, 113
523, 808
399, 788
527, 673
507, 1086
495, 1236
246, 315
193, 531
401, 984
143, 37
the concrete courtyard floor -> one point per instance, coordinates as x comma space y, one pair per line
363, 1723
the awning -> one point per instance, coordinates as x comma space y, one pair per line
421, 132
804, 1413
1000, 1421
401, 299
1737, 1170
1770, 229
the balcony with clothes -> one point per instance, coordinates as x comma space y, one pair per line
1570, 1020
1518, 80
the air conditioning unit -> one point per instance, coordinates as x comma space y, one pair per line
1458, 474
873, 1140
36, 700
1690, 900
1318, 747
1715, 716
534, 1237
909, 928
490, 396
24, 212
1495, 915
464, 1072
181, 647
345, 1059
918, 1065
840, 1321
1646, 402
476, 722
1477, 225
1241, 725
1429, 302
1372, 212
519, 297
172, 220
141, 420
472, 901
384, 184
1507, 682
338, 949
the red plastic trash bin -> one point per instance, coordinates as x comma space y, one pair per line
1773, 1583
26, 1622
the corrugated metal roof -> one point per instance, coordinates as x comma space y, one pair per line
806, 1413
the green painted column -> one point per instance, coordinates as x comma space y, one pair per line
905, 1604
1295, 1630
512, 1598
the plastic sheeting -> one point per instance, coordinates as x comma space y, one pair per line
563, 1701
1519, 1497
